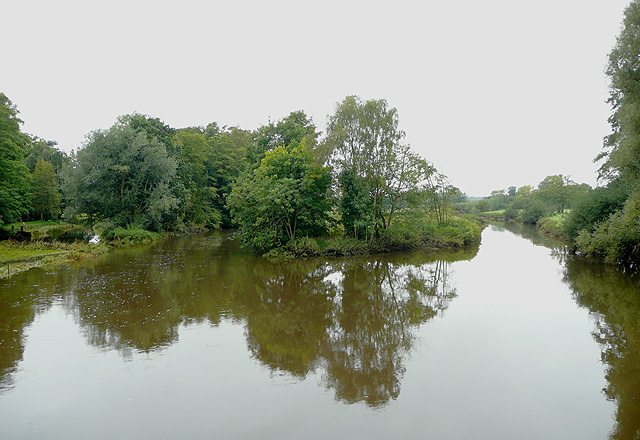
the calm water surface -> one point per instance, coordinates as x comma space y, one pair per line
193, 338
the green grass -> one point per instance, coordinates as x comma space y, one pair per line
13, 253
57, 243
407, 233
554, 225
120, 236
30, 226
17, 257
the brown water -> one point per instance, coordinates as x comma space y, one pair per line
193, 338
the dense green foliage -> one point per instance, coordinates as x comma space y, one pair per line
285, 197
39, 149
595, 207
355, 204
14, 175
45, 196
123, 177
378, 174
293, 130
142, 176
210, 160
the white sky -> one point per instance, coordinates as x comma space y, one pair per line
495, 92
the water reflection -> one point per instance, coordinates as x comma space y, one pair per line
613, 299
530, 232
354, 320
19, 305
381, 302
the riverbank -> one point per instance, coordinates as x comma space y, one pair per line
54, 243
47, 244
454, 233
552, 226
16, 257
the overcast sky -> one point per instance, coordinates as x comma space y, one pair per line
494, 93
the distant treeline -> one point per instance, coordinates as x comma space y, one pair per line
605, 221
278, 183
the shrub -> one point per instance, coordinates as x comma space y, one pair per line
594, 207
532, 212
616, 238
511, 213
553, 226
130, 235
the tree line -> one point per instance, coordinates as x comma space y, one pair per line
278, 183
556, 194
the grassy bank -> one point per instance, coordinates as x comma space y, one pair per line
16, 257
406, 234
58, 243
552, 225
55, 243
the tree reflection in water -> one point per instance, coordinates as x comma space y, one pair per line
612, 296
18, 308
380, 304
353, 319
613, 299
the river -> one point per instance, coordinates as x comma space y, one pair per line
194, 338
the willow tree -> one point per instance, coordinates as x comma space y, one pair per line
122, 176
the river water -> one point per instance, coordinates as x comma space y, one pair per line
193, 338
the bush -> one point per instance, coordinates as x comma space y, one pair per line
553, 226
511, 213
407, 233
596, 206
454, 232
130, 235
615, 239
532, 212
482, 205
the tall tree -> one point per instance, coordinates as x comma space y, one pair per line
14, 175
365, 140
198, 197
46, 150
45, 195
153, 128
225, 161
556, 191
622, 147
440, 196
355, 204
